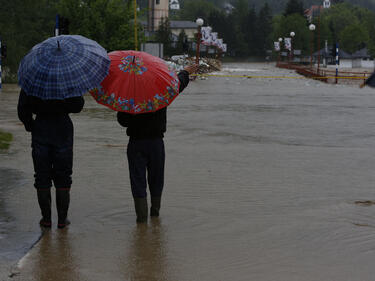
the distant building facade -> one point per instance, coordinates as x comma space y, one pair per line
158, 9
362, 58
313, 11
189, 27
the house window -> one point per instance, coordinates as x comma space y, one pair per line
157, 2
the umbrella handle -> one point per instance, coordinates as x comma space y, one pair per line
362, 85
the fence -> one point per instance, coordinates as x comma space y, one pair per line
328, 75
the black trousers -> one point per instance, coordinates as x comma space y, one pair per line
52, 151
52, 163
146, 158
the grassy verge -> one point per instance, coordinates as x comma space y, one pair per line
5, 140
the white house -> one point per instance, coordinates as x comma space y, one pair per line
362, 58
189, 27
345, 59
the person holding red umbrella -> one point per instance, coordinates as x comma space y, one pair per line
140, 87
146, 152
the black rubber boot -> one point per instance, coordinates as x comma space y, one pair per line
155, 206
141, 209
44, 200
62, 204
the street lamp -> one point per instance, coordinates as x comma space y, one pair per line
199, 23
312, 28
280, 40
292, 34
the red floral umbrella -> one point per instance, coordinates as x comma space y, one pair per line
137, 83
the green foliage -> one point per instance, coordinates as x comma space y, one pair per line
353, 37
5, 140
240, 14
249, 30
182, 38
351, 26
24, 23
263, 30
284, 25
110, 23
164, 35
194, 9
294, 7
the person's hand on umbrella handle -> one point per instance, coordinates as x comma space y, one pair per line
192, 68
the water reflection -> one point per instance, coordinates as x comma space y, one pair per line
55, 260
146, 258
100, 112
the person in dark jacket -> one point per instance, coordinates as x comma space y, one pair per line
52, 150
146, 153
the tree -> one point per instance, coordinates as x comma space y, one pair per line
164, 35
250, 34
282, 26
353, 37
110, 23
351, 26
194, 9
24, 24
240, 14
264, 30
294, 7
222, 24
182, 44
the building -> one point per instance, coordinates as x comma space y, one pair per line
345, 59
158, 9
189, 27
313, 12
362, 58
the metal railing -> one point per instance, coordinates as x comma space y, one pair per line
327, 75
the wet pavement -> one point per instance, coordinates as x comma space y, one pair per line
266, 179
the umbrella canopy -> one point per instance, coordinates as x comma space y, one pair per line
137, 83
62, 67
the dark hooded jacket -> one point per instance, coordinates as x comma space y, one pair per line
149, 125
52, 124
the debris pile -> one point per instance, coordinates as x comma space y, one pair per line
206, 65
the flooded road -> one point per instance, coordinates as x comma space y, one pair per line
266, 179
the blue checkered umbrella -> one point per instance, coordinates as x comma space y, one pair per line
62, 67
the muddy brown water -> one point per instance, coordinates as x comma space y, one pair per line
266, 179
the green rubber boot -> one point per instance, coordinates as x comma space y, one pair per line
62, 204
44, 200
141, 209
155, 206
